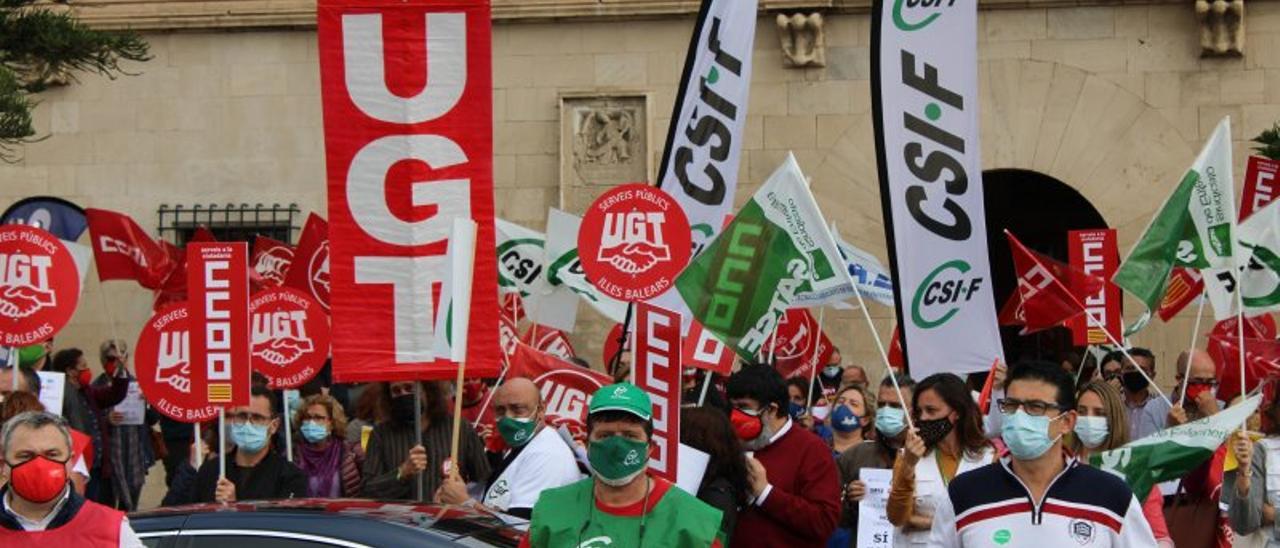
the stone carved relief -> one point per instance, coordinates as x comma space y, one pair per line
802, 40
603, 142
1221, 27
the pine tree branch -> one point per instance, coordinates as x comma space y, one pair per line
1269, 142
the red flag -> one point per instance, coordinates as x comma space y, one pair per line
1261, 358
270, 261
174, 288
1185, 284
1260, 182
551, 341
1094, 252
309, 268
123, 250
1011, 312
566, 388
704, 351
895, 355
799, 345
984, 398
1045, 300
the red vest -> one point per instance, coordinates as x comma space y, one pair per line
94, 526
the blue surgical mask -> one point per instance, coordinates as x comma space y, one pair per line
844, 420
249, 437
795, 410
891, 421
1027, 436
314, 432
1092, 431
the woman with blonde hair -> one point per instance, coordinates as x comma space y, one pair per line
332, 464
1102, 425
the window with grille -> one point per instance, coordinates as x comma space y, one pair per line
230, 222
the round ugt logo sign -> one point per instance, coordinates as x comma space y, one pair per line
634, 241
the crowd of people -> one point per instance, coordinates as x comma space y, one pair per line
786, 456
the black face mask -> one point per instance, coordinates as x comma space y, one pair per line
932, 431
402, 409
1134, 381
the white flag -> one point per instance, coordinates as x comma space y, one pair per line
565, 270
522, 267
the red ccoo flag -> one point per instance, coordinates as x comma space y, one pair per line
1044, 300
123, 250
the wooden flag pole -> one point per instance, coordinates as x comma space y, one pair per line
417, 435
222, 443
706, 381
288, 426
457, 420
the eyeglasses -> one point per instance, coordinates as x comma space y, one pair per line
1203, 382
1034, 408
245, 416
401, 390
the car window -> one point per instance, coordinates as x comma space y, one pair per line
252, 540
152, 542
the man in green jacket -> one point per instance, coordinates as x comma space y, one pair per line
621, 506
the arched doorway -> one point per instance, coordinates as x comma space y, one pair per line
1039, 210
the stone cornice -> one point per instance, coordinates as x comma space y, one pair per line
164, 15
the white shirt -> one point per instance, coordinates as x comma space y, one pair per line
545, 463
128, 539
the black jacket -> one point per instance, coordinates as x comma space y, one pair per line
272, 479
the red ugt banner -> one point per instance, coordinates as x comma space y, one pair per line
218, 303
290, 336
657, 371
123, 251
1259, 185
407, 96
1094, 252
566, 388
799, 345
308, 269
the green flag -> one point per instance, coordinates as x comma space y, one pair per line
1193, 228
775, 254
1174, 452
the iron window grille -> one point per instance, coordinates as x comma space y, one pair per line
229, 223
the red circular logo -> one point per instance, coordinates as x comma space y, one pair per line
162, 359
634, 241
273, 263
318, 275
290, 336
39, 285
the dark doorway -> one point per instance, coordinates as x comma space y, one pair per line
1038, 210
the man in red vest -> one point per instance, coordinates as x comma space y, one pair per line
39, 506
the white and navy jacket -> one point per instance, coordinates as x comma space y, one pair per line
1083, 508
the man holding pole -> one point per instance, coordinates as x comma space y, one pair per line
254, 472
1148, 412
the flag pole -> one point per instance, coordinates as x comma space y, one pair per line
417, 435
773, 342
813, 369
706, 382
875, 336
288, 426
1094, 322
1239, 335
1080, 368
14, 366
222, 443
195, 449
484, 406
457, 420
1195, 331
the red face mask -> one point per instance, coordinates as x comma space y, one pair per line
1194, 391
746, 426
83, 377
110, 368
472, 392
38, 480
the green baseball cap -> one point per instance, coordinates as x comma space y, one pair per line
622, 396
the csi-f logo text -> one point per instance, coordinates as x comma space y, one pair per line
938, 298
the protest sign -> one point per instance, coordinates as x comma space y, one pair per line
1259, 184
290, 336
271, 260
564, 267
402, 166
39, 285
52, 390
162, 362
924, 86
1094, 252
874, 529
133, 408
704, 351
218, 303
633, 242
657, 371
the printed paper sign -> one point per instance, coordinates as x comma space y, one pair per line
52, 386
162, 362
218, 301
290, 340
657, 371
407, 94
634, 241
39, 285
133, 408
874, 529
1094, 252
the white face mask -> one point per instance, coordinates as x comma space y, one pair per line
1092, 431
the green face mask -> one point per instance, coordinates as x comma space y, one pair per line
617, 460
516, 431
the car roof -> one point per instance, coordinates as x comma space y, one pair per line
346, 519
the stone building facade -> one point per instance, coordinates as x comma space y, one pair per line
1110, 99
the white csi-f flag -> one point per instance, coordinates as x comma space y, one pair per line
522, 268
1258, 276
1215, 246
869, 275
454, 314
564, 269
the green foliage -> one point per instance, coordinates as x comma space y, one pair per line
1269, 143
43, 45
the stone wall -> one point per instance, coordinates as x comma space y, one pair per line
1113, 100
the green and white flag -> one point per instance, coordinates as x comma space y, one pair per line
522, 268
775, 254
1258, 275
454, 314
1173, 452
565, 270
1192, 229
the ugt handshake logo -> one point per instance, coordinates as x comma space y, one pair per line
632, 241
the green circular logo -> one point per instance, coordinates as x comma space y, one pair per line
924, 297
1002, 537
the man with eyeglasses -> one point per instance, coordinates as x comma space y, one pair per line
1201, 400
254, 471
1039, 494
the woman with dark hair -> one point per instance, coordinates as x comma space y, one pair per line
394, 462
724, 485
367, 412
947, 441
